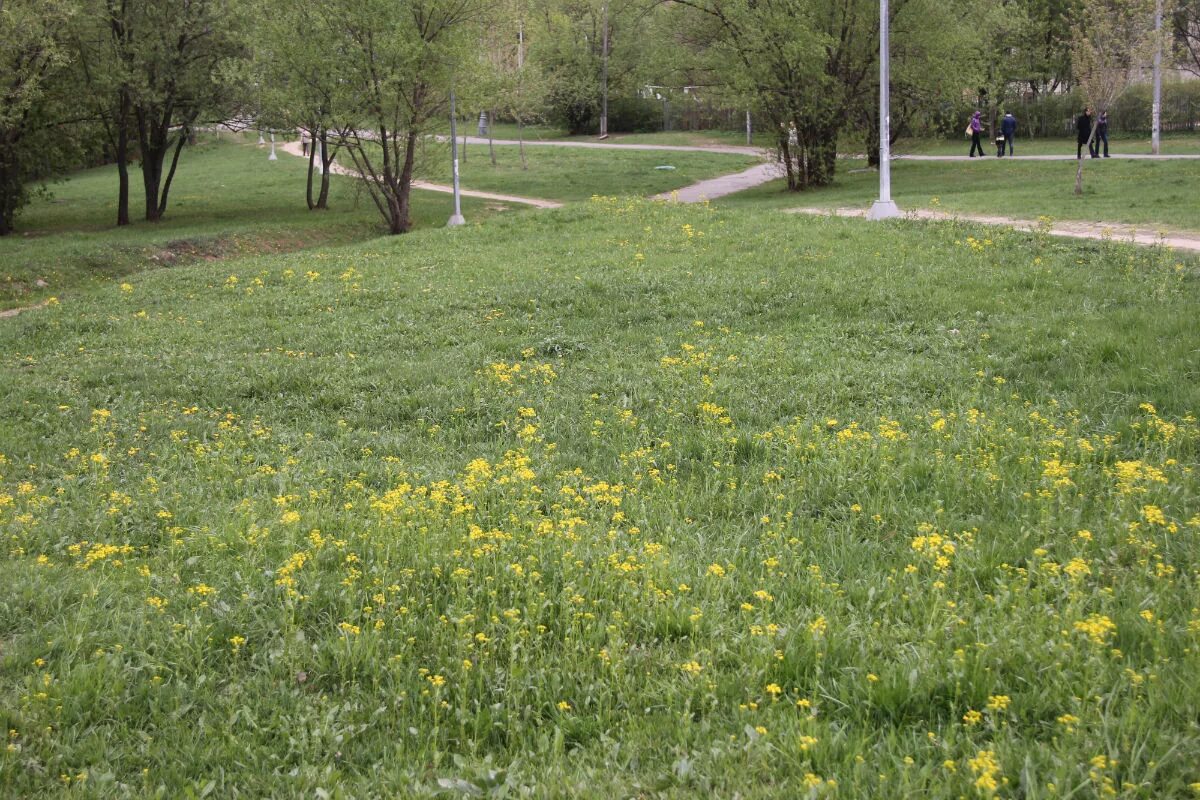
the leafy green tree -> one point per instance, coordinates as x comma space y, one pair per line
811, 66
1113, 41
155, 69
300, 84
1185, 29
400, 59
33, 55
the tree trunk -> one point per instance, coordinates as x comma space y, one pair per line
10, 185
521, 142
491, 138
326, 164
166, 188
785, 151
312, 165
1079, 164
402, 222
151, 180
122, 155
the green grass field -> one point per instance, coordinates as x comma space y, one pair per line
227, 200
570, 174
625, 499
1158, 193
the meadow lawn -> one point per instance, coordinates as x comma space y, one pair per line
626, 499
1160, 194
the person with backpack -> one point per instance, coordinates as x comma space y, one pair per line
975, 128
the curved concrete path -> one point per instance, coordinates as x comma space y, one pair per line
1179, 240
294, 149
723, 185
731, 149
1055, 157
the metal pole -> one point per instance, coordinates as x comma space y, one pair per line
456, 218
884, 208
749, 135
604, 79
1156, 113
272, 157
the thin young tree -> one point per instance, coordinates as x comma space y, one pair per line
400, 61
1112, 42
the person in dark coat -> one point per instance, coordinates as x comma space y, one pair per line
1101, 134
1083, 134
1008, 127
976, 128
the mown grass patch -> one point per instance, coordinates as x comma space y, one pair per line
227, 200
623, 499
1151, 193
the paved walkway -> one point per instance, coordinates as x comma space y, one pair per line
1054, 157
294, 148
1179, 240
731, 149
720, 186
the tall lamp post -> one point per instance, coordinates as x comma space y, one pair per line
456, 218
884, 208
1156, 112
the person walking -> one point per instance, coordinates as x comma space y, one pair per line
1083, 134
1008, 127
975, 128
1101, 134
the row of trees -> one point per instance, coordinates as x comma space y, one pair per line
130, 81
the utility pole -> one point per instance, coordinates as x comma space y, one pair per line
456, 218
604, 77
1156, 113
884, 208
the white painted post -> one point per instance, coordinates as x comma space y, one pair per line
884, 208
456, 218
749, 133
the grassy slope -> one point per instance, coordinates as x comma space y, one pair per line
227, 200
568, 174
1155, 193
717, 380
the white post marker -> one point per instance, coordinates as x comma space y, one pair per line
272, 157
884, 208
1156, 112
749, 131
456, 218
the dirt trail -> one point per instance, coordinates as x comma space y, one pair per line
294, 148
1144, 235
